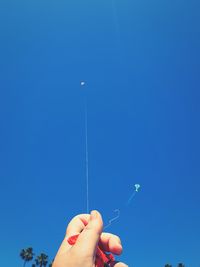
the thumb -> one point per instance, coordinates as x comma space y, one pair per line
88, 239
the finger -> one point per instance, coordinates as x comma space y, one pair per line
110, 243
88, 239
77, 224
118, 264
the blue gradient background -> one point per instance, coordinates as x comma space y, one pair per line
141, 61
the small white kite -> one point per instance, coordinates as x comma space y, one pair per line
82, 83
137, 187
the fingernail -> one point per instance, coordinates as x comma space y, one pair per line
93, 215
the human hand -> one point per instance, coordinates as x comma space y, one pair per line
83, 252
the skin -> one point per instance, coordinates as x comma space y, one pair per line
82, 253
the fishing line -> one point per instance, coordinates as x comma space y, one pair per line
131, 197
113, 219
82, 83
118, 211
86, 156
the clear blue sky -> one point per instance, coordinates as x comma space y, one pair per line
141, 61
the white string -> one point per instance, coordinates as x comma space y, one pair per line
110, 222
113, 219
86, 156
131, 197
